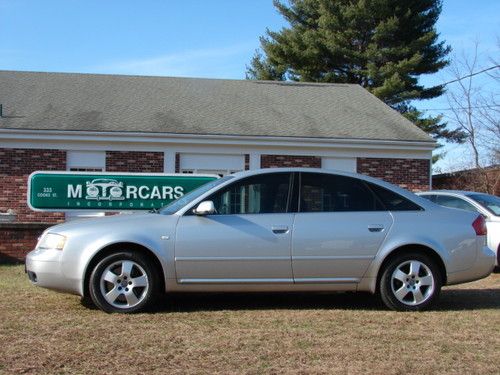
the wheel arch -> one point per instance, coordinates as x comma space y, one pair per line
424, 249
111, 248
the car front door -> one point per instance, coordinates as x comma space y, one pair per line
338, 229
247, 240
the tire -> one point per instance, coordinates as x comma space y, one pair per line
410, 282
124, 282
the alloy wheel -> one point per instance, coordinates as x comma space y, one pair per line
124, 284
412, 283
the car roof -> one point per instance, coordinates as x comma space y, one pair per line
304, 169
457, 192
405, 193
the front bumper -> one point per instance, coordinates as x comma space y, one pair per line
45, 269
483, 266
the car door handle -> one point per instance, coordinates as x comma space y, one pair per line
376, 228
279, 229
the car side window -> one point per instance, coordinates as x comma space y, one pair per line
334, 193
393, 201
433, 198
429, 197
267, 193
454, 202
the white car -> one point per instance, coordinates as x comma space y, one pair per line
487, 205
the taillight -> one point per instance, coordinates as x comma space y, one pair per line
479, 226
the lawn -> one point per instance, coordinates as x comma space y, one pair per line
46, 332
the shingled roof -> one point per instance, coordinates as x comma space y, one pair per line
119, 103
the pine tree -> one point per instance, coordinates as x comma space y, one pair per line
382, 45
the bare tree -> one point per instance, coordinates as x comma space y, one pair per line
491, 115
476, 111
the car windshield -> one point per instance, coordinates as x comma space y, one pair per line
176, 205
490, 202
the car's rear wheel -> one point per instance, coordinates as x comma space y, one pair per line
410, 282
123, 282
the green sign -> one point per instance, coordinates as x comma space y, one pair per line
67, 191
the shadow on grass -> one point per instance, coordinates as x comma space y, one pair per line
469, 299
450, 300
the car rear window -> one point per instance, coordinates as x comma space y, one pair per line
490, 202
393, 201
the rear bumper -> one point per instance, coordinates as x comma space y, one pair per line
44, 268
483, 266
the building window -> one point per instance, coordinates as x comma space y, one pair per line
219, 172
85, 161
219, 164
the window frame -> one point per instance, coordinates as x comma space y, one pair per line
366, 184
289, 198
369, 183
363, 183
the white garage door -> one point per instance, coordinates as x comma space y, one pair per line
211, 163
340, 164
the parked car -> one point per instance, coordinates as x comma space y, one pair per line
293, 229
485, 204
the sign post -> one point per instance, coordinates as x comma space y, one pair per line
68, 191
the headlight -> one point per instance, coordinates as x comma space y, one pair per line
52, 241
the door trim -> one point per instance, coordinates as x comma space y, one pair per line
235, 281
328, 257
190, 259
327, 280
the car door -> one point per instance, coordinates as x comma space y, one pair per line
338, 229
247, 240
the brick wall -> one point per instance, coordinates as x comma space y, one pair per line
15, 167
18, 239
134, 161
281, 161
411, 174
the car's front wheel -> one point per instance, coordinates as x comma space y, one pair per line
410, 282
123, 282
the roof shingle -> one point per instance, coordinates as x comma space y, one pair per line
98, 102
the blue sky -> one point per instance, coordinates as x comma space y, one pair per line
174, 38
189, 38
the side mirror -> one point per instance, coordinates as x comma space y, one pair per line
204, 208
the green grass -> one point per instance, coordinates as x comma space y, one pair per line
46, 332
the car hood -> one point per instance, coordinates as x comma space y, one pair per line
115, 223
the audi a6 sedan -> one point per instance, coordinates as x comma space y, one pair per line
295, 229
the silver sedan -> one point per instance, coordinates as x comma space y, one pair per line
290, 229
